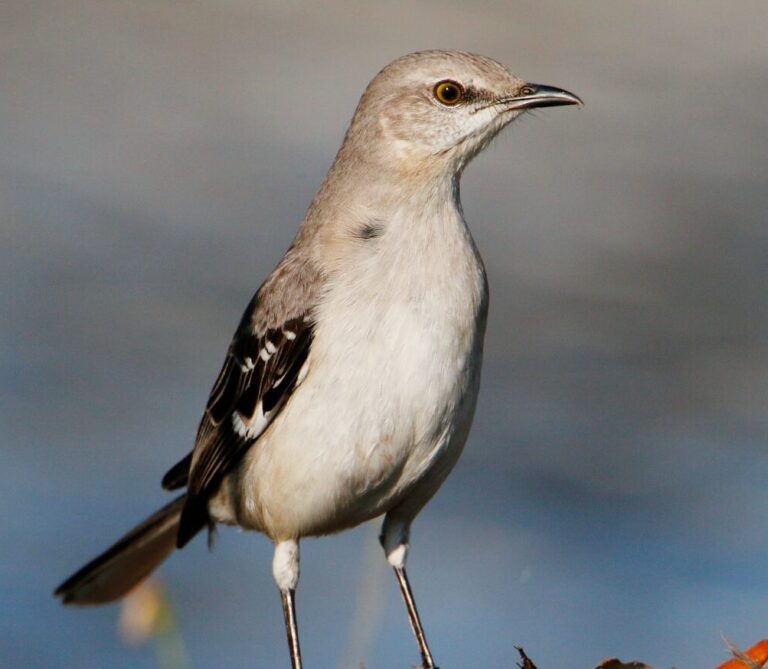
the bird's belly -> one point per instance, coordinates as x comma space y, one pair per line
387, 402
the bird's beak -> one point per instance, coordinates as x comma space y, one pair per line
538, 95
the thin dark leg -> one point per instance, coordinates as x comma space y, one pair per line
289, 612
413, 616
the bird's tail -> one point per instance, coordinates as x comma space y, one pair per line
131, 559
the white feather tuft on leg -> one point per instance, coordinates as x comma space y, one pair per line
285, 564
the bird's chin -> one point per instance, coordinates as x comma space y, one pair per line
470, 145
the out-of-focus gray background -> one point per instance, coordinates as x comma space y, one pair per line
155, 159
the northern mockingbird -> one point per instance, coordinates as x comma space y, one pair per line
350, 384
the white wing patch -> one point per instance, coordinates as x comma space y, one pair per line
252, 427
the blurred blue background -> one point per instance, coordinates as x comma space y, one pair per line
155, 160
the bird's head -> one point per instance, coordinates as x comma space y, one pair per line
438, 109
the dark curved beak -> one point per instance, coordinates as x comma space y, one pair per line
538, 95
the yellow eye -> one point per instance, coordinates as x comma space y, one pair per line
449, 92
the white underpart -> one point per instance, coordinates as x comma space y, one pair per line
285, 565
389, 387
302, 373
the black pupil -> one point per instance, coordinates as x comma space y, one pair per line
450, 92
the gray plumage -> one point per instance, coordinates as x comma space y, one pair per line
350, 385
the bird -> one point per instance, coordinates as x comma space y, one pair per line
349, 387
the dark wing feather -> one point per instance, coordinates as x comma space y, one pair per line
178, 475
257, 378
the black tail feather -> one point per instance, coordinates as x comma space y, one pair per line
127, 562
194, 517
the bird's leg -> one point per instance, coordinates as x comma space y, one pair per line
285, 568
413, 616
292, 630
394, 540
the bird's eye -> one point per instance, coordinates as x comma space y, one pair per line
527, 90
449, 92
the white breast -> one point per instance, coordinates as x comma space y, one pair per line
391, 386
